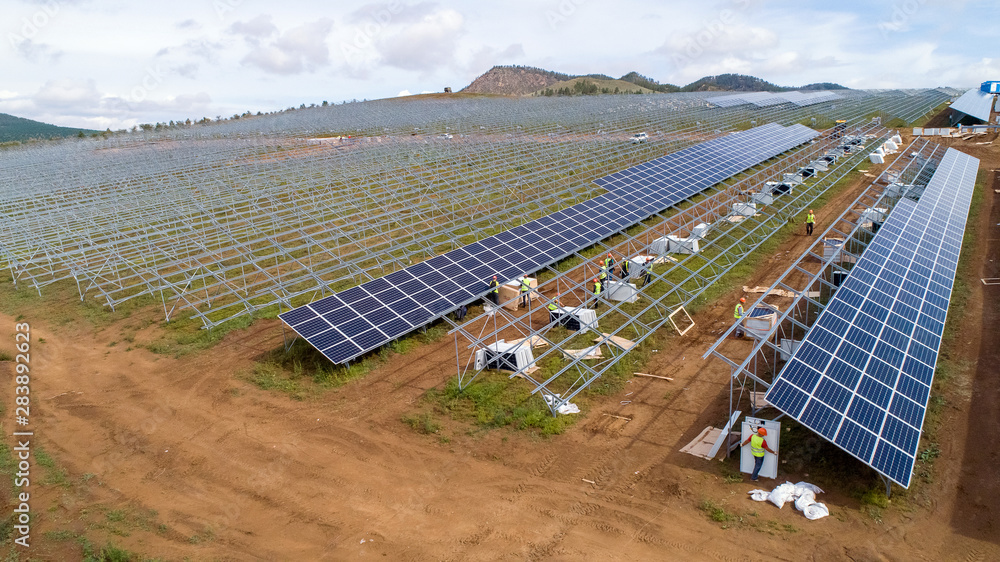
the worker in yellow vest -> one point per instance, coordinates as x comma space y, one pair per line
525, 289
810, 221
758, 447
609, 266
738, 315
494, 292
626, 266
597, 293
554, 305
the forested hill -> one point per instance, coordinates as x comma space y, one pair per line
20, 129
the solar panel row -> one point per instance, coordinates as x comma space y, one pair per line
765, 99
975, 103
861, 377
352, 322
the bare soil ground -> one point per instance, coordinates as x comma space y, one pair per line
181, 458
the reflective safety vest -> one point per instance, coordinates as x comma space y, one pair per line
757, 445
495, 285
525, 286
810, 218
553, 306
604, 272
738, 313
609, 263
625, 268
597, 288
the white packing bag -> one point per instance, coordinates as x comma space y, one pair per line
783, 493
758, 495
815, 511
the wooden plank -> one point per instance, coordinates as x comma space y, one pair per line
653, 376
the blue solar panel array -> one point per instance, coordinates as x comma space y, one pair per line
862, 376
352, 322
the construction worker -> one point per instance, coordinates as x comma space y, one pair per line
494, 293
626, 265
460, 312
525, 289
554, 305
609, 265
738, 315
603, 276
597, 293
758, 446
810, 221
647, 271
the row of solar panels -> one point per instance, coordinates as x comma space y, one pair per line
352, 322
861, 377
765, 99
976, 103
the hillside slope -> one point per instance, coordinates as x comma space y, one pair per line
14, 128
528, 80
591, 86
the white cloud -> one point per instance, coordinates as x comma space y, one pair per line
299, 49
425, 44
7, 94
67, 93
403, 94
261, 27
37, 52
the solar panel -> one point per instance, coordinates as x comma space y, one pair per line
861, 377
975, 103
355, 321
765, 99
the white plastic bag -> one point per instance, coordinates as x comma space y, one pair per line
805, 499
782, 494
815, 511
758, 495
812, 487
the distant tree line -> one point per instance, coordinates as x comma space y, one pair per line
586, 88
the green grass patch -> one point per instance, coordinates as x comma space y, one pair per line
422, 423
54, 474
4, 356
494, 401
716, 512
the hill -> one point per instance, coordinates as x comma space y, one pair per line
732, 83
824, 86
649, 83
514, 81
20, 129
587, 85
528, 80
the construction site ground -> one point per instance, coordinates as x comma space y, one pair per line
183, 458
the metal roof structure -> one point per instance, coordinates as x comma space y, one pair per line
975, 103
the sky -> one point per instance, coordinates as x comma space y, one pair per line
101, 64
